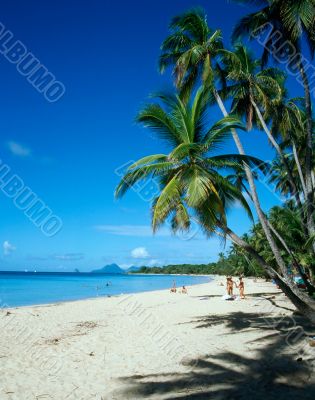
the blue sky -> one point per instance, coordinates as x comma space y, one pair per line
105, 53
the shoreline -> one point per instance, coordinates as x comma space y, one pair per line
152, 345
97, 298
58, 303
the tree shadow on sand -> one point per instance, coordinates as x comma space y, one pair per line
261, 295
282, 367
238, 321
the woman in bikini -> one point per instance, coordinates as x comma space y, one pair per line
229, 285
173, 289
241, 288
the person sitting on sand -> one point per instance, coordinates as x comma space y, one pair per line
241, 288
184, 290
173, 289
229, 285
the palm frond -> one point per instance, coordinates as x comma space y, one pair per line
181, 218
193, 23
198, 186
165, 203
148, 160
185, 150
154, 117
139, 174
221, 130
239, 161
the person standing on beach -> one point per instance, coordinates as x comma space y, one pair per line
229, 285
241, 288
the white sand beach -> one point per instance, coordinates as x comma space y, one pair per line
158, 345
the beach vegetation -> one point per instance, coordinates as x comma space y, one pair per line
199, 181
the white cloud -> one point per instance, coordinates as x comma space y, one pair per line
8, 248
126, 266
18, 149
132, 230
146, 231
69, 257
153, 263
140, 252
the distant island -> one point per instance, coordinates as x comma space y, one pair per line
115, 269
224, 266
133, 269
109, 269
231, 264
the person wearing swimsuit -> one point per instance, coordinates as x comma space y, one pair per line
229, 285
241, 288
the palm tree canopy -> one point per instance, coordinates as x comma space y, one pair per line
279, 176
190, 49
292, 18
248, 83
288, 121
189, 178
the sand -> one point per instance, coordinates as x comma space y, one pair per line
158, 345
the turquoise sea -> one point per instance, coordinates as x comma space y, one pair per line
26, 288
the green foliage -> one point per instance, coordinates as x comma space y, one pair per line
195, 180
246, 82
286, 220
293, 18
233, 264
191, 179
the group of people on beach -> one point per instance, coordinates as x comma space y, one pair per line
174, 289
230, 286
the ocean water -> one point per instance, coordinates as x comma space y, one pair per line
23, 289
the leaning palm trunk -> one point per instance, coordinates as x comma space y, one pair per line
309, 154
294, 190
310, 288
302, 180
299, 168
274, 248
303, 303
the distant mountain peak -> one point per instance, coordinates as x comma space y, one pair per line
109, 269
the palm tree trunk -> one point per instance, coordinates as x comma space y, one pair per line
300, 172
299, 168
274, 248
303, 303
310, 288
309, 154
294, 190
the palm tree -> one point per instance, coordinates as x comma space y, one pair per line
290, 224
279, 177
191, 49
253, 90
221, 256
189, 178
288, 122
249, 84
239, 180
287, 22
